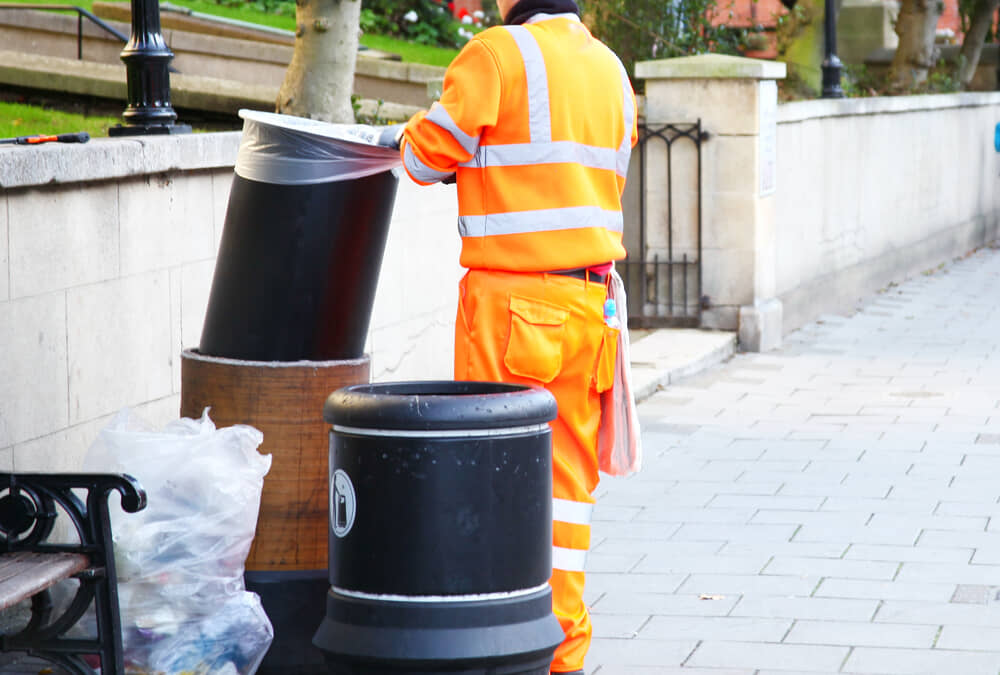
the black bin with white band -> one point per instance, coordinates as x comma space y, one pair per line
440, 530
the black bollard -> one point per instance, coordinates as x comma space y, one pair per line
440, 530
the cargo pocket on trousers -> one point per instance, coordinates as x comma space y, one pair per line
604, 378
535, 346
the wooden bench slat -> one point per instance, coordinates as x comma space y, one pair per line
23, 574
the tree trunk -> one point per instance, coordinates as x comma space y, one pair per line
916, 54
972, 44
320, 79
800, 45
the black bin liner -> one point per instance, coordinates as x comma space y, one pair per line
302, 244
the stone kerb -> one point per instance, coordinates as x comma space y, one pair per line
736, 101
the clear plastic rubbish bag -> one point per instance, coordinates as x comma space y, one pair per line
180, 561
619, 443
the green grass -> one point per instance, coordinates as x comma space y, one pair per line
408, 51
18, 119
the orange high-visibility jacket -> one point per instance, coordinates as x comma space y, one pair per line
537, 122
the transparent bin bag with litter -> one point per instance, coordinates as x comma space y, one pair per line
287, 150
181, 560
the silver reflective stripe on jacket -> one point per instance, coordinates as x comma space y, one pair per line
419, 170
554, 152
439, 116
539, 120
542, 220
625, 149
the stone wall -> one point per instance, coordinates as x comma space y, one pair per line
875, 190
809, 206
107, 253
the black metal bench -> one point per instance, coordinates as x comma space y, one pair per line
30, 564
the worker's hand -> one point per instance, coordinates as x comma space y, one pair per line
391, 136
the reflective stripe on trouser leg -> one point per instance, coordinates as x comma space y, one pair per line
482, 333
571, 541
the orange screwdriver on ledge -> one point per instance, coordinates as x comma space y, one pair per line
78, 137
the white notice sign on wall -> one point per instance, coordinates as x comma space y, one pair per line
767, 97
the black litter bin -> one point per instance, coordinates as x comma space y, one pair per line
440, 530
302, 243
286, 324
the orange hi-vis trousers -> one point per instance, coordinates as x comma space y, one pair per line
548, 330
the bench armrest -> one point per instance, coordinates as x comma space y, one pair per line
30, 503
28, 510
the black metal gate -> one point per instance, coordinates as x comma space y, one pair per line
662, 272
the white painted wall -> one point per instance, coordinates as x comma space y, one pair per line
107, 253
874, 190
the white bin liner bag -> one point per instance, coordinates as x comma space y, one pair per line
181, 560
288, 150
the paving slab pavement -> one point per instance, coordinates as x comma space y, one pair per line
823, 508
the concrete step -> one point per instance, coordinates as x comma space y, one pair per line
665, 356
192, 92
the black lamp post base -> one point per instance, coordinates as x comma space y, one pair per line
149, 129
832, 69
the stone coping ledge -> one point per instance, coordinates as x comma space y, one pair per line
799, 111
23, 166
710, 66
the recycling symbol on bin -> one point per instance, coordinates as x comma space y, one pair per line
343, 503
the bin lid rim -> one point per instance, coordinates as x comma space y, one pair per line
364, 406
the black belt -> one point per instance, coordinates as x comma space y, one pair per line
583, 273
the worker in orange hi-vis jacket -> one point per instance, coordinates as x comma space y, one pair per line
536, 123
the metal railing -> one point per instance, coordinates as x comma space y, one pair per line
81, 13
666, 291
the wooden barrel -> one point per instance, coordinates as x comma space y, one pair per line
284, 400
287, 565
